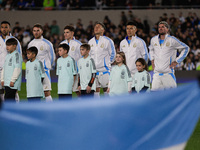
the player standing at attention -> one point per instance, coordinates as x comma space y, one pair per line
133, 47
46, 55
74, 50
35, 75
103, 53
5, 35
163, 49
120, 76
86, 72
66, 71
11, 74
142, 79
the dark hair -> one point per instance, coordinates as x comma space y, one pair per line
5, 22
123, 56
86, 46
132, 23
104, 27
11, 41
70, 28
38, 26
64, 46
143, 62
165, 24
33, 49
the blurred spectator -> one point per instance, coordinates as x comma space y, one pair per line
189, 65
21, 4
54, 28
48, 4
16, 28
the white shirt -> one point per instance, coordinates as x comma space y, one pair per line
74, 50
45, 52
136, 49
102, 52
163, 55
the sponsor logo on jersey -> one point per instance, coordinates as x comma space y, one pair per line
134, 45
35, 67
102, 45
41, 48
73, 48
123, 74
167, 44
10, 62
87, 64
60, 67
142, 78
68, 64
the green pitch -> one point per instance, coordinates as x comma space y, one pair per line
193, 143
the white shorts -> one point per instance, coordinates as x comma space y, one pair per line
102, 80
75, 86
163, 81
47, 81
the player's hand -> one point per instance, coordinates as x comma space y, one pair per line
108, 90
153, 65
79, 89
2, 83
173, 64
88, 89
12, 84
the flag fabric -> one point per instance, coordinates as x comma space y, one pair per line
156, 120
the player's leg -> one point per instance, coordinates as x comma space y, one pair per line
47, 86
169, 81
17, 97
104, 80
98, 86
156, 83
1, 90
10, 94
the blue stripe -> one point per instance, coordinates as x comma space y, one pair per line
105, 64
186, 49
46, 71
173, 76
112, 48
78, 41
103, 73
51, 50
145, 47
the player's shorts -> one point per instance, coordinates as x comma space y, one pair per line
75, 86
102, 79
47, 81
163, 81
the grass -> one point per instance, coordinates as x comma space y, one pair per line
193, 143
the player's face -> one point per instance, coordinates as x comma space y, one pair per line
5, 29
162, 29
119, 59
61, 51
140, 67
37, 32
11, 48
30, 55
68, 34
84, 51
98, 29
131, 30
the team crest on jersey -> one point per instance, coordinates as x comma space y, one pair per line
102, 45
68, 64
134, 45
27, 71
60, 67
167, 44
10, 62
35, 67
123, 74
87, 64
155, 44
73, 48
142, 78
123, 46
80, 67
135, 81
91, 45
41, 48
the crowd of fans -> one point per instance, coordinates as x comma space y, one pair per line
93, 4
185, 28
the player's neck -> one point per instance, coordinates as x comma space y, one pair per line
162, 37
86, 55
68, 40
120, 64
129, 37
97, 36
65, 55
33, 59
4, 36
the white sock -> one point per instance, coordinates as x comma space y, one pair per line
17, 97
97, 94
2, 97
48, 98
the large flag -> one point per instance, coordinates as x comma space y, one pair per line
157, 120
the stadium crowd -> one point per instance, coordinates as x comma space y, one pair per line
91, 4
185, 28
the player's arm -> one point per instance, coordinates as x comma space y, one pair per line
147, 83
2, 77
79, 84
42, 71
52, 55
143, 50
112, 52
151, 54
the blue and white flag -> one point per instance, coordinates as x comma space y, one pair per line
157, 120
